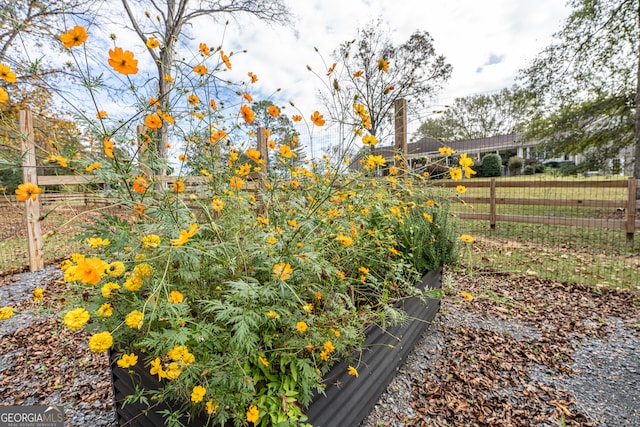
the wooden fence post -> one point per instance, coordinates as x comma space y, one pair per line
492, 204
30, 174
631, 208
400, 119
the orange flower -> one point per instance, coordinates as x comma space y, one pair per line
247, 114
90, 270
358, 74
152, 43
285, 151
101, 114
248, 97
74, 37
123, 61
213, 105
153, 101
296, 118
200, 69
253, 77
317, 119
108, 147
152, 121
225, 59
282, 270
6, 74
236, 183
253, 154
140, 185
193, 99
330, 70
178, 186
273, 111
204, 49
27, 191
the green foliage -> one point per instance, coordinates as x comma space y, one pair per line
515, 165
491, 165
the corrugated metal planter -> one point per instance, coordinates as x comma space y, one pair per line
347, 400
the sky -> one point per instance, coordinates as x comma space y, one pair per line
486, 41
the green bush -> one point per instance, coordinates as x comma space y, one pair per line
515, 165
491, 165
529, 170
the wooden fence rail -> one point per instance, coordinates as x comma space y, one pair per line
629, 224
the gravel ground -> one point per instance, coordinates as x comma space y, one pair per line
523, 352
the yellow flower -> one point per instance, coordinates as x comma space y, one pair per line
152, 43
383, 65
115, 269
178, 186
427, 217
273, 315
285, 151
263, 360
317, 119
292, 223
123, 61
193, 99
156, 368
4, 96
107, 288
430, 203
176, 297
74, 37
282, 270
352, 371
6, 74
461, 189
363, 270
134, 319
108, 147
94, 242
217, 205
90, 270
27, 191
456, 174
151, 241
468, 172
93, 166
345, 240
105, 310
324, 355
6, 313
127, 360
38, 294
465, 161
197, 394
328, 346
211, 408
445, 151
253, 415
467, 238
301, 327
181, 354
369, 140
100, 342
133, 283
244, 170
236, 182
466, 295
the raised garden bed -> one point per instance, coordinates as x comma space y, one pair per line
347, 400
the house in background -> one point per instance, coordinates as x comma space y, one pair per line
426, 150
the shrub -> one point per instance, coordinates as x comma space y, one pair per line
491, 165
529, 170
515, 165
